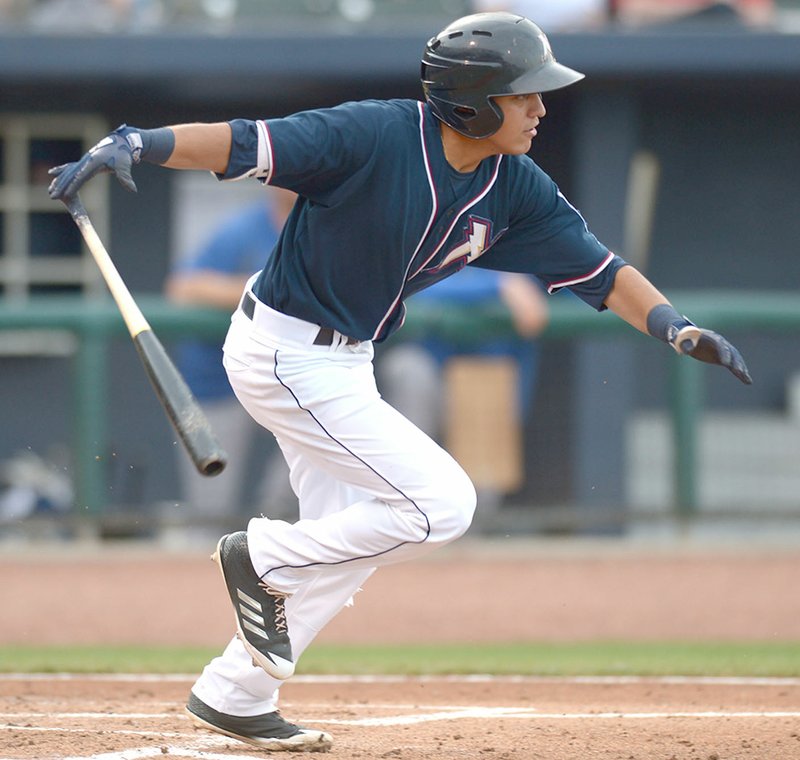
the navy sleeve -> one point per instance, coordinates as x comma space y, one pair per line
317, 153
549, 238
243, 161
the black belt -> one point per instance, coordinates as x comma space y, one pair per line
325, 336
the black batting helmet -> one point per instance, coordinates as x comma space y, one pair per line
483, 55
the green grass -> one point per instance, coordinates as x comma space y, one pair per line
570, 659
103, 659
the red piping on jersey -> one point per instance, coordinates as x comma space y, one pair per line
268, 140
435, 201
554, 286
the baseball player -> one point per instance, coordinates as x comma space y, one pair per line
393, 196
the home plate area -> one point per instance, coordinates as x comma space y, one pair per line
70, 717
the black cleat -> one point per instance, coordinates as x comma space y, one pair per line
268, 731
260, 611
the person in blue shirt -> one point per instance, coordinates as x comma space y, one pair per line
215, 276
523, 297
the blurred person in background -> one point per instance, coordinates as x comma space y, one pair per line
755, 13
215, 276
411, 374
562, 15
8, 10
94, 15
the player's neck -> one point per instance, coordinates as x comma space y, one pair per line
463, 153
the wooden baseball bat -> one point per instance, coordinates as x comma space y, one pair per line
180, 405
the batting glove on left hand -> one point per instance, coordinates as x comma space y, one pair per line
114, 154
708, 346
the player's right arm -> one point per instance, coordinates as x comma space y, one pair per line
184, 146
636, 300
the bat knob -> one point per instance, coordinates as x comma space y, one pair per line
213, 466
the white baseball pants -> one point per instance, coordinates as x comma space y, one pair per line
373, 489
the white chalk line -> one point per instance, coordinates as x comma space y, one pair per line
145, 752
449, 713
514, 713
92, 715
140, 753
180, 744
393, 679
84, 730
199, 749
183, 746
443, 713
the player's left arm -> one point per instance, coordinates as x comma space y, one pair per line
636, 300
183, 146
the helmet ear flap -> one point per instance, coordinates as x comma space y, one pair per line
498, 112
469, 120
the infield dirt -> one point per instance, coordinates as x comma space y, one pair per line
492, 593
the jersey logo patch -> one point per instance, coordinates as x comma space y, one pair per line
478, 239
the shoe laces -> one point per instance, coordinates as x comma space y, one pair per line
279, 601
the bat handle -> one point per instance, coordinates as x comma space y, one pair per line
74, 206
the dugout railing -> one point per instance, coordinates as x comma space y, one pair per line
95, 323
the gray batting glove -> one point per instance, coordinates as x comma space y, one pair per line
708, 346
114, 154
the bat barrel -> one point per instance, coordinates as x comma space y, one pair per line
182, 408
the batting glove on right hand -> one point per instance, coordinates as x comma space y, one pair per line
114, 154
708, 346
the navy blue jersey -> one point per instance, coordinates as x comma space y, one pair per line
382, 215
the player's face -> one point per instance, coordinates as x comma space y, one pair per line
521, 116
